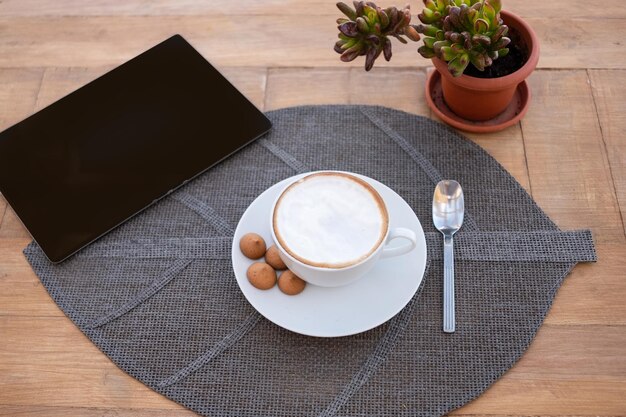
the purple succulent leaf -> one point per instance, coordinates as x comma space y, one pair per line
387, 49
370, 57
373, 39
453, 17
384, 19
347, 10
468, 39
349, 29
350, 55
481, 39
400, 38
359, 5
503, 42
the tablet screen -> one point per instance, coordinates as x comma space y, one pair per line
93, 159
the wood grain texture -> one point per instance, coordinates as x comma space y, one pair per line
51, 411
263, 41
609, 93
568, 152
567, 163
525, 8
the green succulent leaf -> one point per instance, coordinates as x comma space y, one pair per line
458, 65
447, 54
481, 25
438, 45
496, 4
490, 14
426, 52
503, 52
429, 42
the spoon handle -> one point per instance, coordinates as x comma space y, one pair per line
448, 284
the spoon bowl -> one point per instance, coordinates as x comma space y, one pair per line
448, 206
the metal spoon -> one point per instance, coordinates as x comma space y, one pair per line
448, 209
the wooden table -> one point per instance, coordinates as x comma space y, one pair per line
569, 152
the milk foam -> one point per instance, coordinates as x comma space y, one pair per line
329, 220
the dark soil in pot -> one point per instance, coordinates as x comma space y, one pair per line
515, 59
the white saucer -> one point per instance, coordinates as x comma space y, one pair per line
339, 311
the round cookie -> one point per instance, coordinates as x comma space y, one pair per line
291, 284
252, 246
272, 258
261, 275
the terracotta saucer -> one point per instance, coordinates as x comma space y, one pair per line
511, 115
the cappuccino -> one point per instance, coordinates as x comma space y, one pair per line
330, 220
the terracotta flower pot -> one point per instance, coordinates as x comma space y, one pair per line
484, 98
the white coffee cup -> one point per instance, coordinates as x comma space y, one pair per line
345, 257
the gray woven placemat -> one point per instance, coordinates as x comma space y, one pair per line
158, 294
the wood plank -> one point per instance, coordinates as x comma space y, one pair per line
568, 168
3, 207
594, 293
24, 298
297, 86
609, 92
525, 8
13, 265
11, 226
251, 82
549, 398
397, 88
277, 41
18, 93
47, 411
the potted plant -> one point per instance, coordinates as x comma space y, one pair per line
481, 52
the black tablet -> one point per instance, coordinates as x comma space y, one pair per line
90, 161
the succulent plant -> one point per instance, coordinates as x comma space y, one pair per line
366, 30
463, 31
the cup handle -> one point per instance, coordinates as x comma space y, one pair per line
399, 233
